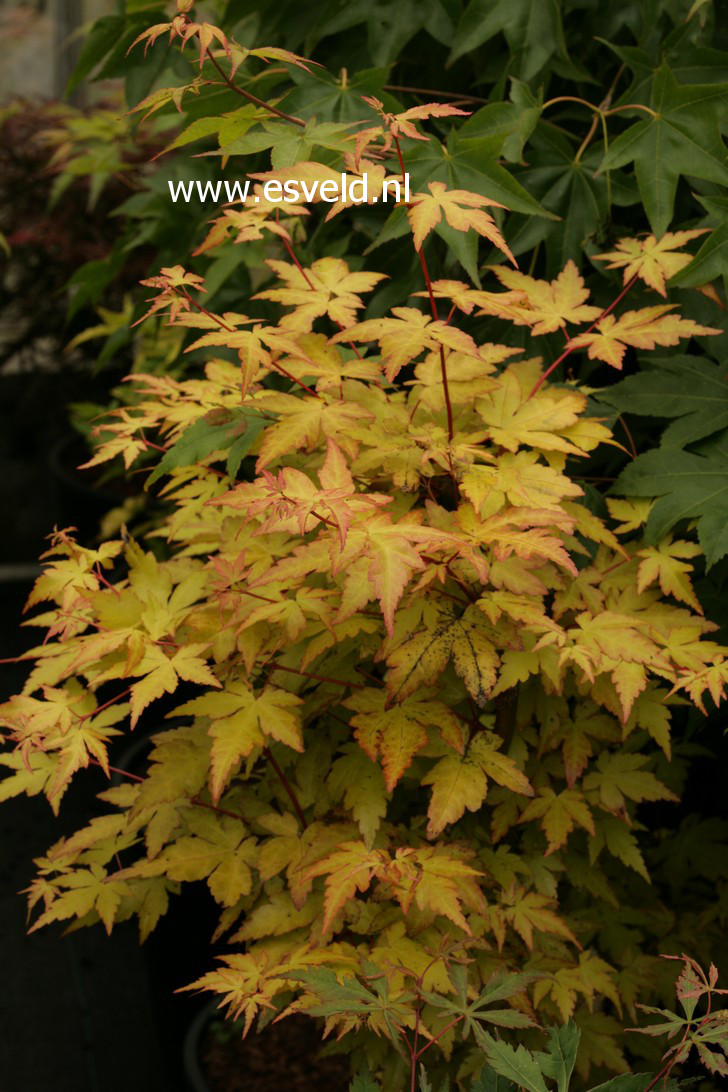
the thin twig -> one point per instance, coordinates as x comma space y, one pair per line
287, 786
571, 346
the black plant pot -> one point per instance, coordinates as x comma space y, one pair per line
194, 1074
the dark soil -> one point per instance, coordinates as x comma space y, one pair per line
281, 1058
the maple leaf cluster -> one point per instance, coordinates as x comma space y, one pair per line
426, 687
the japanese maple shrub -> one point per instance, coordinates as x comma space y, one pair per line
431, 685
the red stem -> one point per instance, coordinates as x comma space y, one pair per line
287, 786
100, 708
439, 1035
247, 95
570, 347
433, 308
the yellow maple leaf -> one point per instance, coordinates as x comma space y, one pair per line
621, 777
519, 479
541, 422
526, 910
350, 869
243, 719
462, 210
558, 814
422, 656
549, 305
665, 563
652, 260
643, 329
358, 779
405, 336
395, 733
216, 850
328, 287
444, 882
162, 674
461, 781
303, 422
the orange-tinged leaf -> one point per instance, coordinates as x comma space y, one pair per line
653, 261
461, 782
396, 733
643, 329
326, 288
350, 869
242, 720
549, 305
405, 336
462, 210
559, 813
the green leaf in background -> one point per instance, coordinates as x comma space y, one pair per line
628, 1082
532, 28
364, 1082
682, 137
104, 35
689, 485
338, 98
514, 121
637, 1082
711, 261
236, 434
470, 163
490, 1081
689, 388
515, 1063
558, 1061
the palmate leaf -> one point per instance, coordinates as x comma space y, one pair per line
683, 137
460, 782
498, 988
462, 210
558, 1061
338, 1000
515, 1063
643, 329
490, 1081
689, 486
234, 431
532, 29
690, 389
711, 260
652, 260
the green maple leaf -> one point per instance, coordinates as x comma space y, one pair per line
560, 1056
532, 28
572, 192
689, 485
683, 137
490, 1081
234, 431
711, 260
498, 988
515, 1063
689, 388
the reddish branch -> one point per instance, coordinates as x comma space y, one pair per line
287, 786
571, 346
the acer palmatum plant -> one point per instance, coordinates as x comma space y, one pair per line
433, 686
